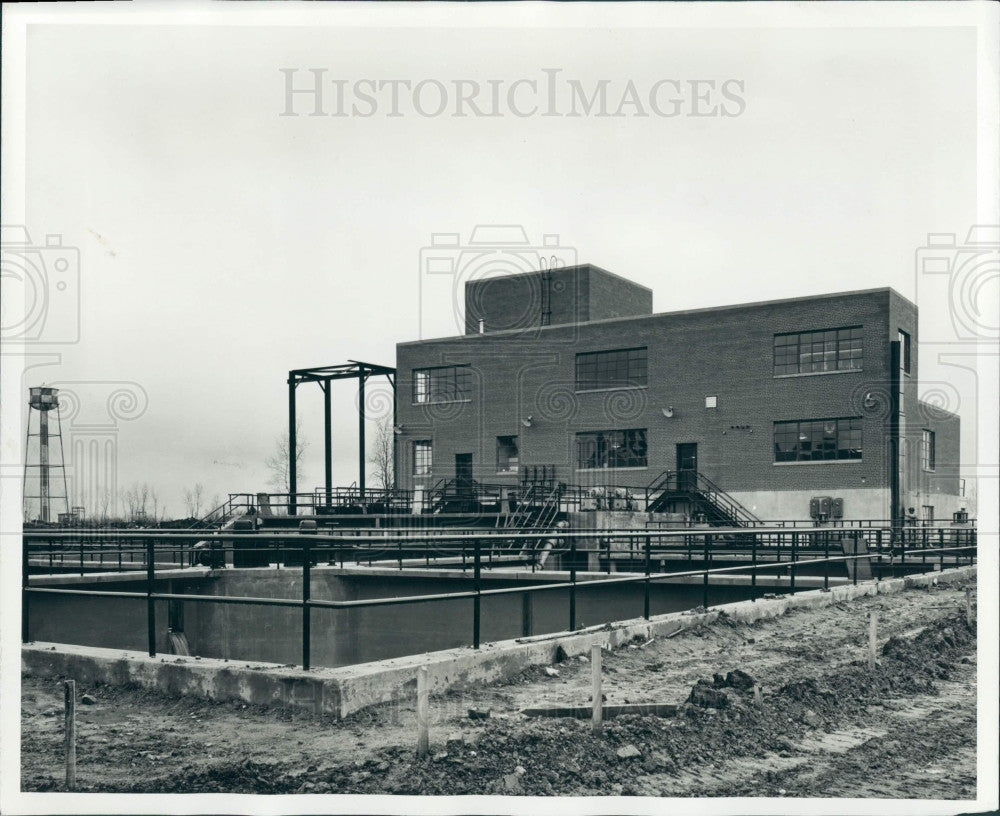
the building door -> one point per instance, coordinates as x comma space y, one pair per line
463, 472
687, 466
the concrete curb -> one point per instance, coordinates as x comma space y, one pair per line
348, 689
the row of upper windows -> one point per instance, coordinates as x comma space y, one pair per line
794, 353
800, 440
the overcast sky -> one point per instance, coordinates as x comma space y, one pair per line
222, 244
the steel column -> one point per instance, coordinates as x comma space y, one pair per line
708, 556
306, 585
476, 607
645, 598
361, 432
327, 443
292, 443
150, 603
25, 572
572, 581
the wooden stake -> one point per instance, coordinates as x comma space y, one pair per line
595, 675
69, 688
423, 713
872, 638
757, 696
969, 618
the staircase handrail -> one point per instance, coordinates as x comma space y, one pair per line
717, 495
658, 483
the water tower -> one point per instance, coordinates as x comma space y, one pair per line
43, 401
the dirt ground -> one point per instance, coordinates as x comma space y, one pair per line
824, 724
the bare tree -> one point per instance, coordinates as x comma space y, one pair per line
278, 462
135, 502
154, 500
105, 506
193, 499
381, 456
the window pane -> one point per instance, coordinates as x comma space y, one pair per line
444, 384
825, 350
611, 449
611, 369
422, 458
817, 440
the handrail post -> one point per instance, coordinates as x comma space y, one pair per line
645, 600
150, 603
854, 535
791, 572
476, 601
81, 553
24, 589
826, 561
753, 571
306, 586
708, 558
572, 585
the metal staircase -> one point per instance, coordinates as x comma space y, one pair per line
700, 495
538, 509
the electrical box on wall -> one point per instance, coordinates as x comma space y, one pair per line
819, 507
837, 508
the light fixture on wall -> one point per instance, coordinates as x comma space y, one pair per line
527, 421
397, 429
668, 412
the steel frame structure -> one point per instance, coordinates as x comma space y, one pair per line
325, 375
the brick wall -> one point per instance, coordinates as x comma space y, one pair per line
726, 353
936, 488
575, 294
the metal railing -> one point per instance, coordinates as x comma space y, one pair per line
778, 550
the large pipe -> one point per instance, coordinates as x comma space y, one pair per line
895, 449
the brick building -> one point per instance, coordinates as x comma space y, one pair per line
776, 403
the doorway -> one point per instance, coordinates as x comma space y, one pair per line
687, 466
463, 473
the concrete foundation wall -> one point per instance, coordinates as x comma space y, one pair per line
348, 636
345, 690
343, 637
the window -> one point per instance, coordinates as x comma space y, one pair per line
506, 454
817, 440
711, 402
927, 450
904, 351
611, 369
444, 384
817, 351
611, 449
423, 457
